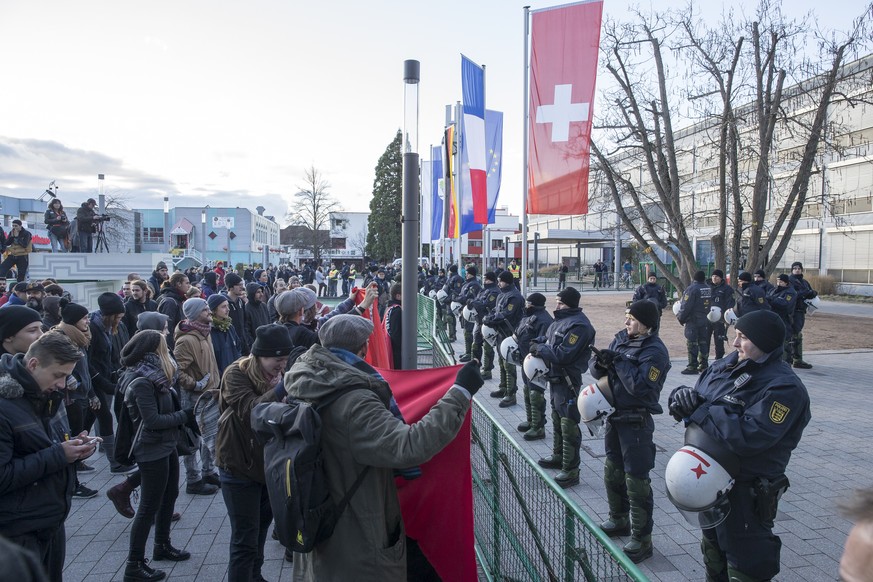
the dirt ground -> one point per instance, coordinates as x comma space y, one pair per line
823, 331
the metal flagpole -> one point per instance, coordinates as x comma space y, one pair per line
447, 192
487, 168
456, 150
525, 181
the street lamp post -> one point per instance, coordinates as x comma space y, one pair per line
203, 233
101, 199
411, 217
167, 221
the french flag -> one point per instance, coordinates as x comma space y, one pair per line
473, 89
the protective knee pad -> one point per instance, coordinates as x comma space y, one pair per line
714, 560
639, 492
616, 489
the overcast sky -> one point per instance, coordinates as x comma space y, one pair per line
226, 102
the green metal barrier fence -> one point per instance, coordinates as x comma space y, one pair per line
527, 528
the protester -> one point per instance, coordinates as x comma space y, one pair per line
156, 281
291, 306
256, 310
58, 225
856, 564
18, 248
394, 325
136, 304
236, 301
20, 326
225, 342
170, 301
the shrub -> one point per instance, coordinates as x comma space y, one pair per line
824, 284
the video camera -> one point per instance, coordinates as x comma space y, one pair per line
102, 218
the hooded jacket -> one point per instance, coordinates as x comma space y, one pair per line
257, 313
358, 431
36, 481
170, 304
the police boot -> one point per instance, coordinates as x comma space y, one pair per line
639, 492
452, 326
555, 460
502, 370
798, 353
477, 351
468, 347
537, 429
525, 426
569, 473
511, 385
487, 361
692, 358
714, 560
618, 523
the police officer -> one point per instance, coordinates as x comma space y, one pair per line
566, 348
653, 292
782, 300
516, 273
756, 406
468, 293
508, 311
452, 288
804, 291
482, 305
759, 278
692, 314
636, 365
723, 298
534, 324
751, 296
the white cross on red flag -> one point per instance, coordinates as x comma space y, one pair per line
563, 64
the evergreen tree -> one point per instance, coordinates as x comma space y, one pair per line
383, 225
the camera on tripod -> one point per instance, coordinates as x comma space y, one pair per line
102, 218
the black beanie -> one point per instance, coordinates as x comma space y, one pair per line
537, 299
210, 277
797, 264
646, 312
472, 270
718, 273
110, 303
453, 269
506, 277
764, 328
272, 340
143, 342
490, 276
784, 277
700, 276
72, 313
761, 273
14, 318
232, 280
745, 276
215, 300
569, 297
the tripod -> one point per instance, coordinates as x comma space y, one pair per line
101, 238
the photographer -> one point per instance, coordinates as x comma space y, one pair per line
18, 247
85, 221
58, 225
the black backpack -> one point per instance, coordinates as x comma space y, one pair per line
303, 510
126, 434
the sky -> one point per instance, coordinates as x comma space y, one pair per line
227, 103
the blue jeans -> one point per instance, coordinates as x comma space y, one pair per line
57, 244
248, 507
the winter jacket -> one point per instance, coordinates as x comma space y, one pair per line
301, 336
238, 316
170, 304
196, 358
237, 451
153, 406
566, 346
36, 481
654, 293
57, 222
101, 355
256, 316
533, 325
637, 376
132, 309
226, 346
358, 431
85, 218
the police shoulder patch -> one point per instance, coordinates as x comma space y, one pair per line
510, 306
778, 413
654, 374
685, 297
788, 297
573, 339
760, 300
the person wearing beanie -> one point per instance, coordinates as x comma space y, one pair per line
210, 284
759, 278
566, 351
469, 291
453, 286
804, 292
722, 297
251, 380
199, 376
236, 293
156, 281
751, 297
136, 304
481, 306
695, 306
635, 366
754, 405
17, 248
35, 294
170, 301
783, 302
225, 342
504, 318
360, 433
51, 312
534, 324
291, 307
653, 292
18, 296
20, 326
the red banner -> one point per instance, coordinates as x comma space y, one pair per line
379, 348
438, 506
564, 47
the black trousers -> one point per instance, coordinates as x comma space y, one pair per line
248, 507
50, 546
160, 487
104, 415
21, 263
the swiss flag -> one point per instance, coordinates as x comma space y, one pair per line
564, 46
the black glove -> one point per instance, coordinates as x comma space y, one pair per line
469, 303
488, 320
535, 350
607, 357
189, 416
683, 402
469, 377
813, 294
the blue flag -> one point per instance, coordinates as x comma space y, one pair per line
437, 193
493, 157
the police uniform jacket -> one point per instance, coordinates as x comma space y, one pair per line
758, 409
695, 304
453, 286
509, 307
764, 284
782, 300
653, 292
567, 346
722, 296
638, 375
470, 290
486, 300
533, 325
752, 298
804, 291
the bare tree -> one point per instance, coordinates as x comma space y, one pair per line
311, 210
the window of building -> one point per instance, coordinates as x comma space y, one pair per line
153, 234
338, 243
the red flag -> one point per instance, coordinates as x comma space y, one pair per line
438, 506
379, 348
564, 45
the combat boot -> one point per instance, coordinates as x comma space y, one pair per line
537, 429
525, 426
477, 351
569, 473
798, 353
511, 384
618, 523
502, 384
487, 358
639, 492
555, 460
692, 359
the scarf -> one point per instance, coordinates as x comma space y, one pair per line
203, 328
222, 325
150, 368
81, 338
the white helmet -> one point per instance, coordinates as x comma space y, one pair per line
489, 334
456, 307
509, 351
421, 291
677, 305
432, 294
714, 314
698, 481
442, 295
813, 305
595, 404
468, 314
730, 317
535, 369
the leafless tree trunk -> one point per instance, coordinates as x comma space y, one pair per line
311, 209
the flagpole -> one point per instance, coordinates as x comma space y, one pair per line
456, 151
487, 169
525, 181
447, 190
